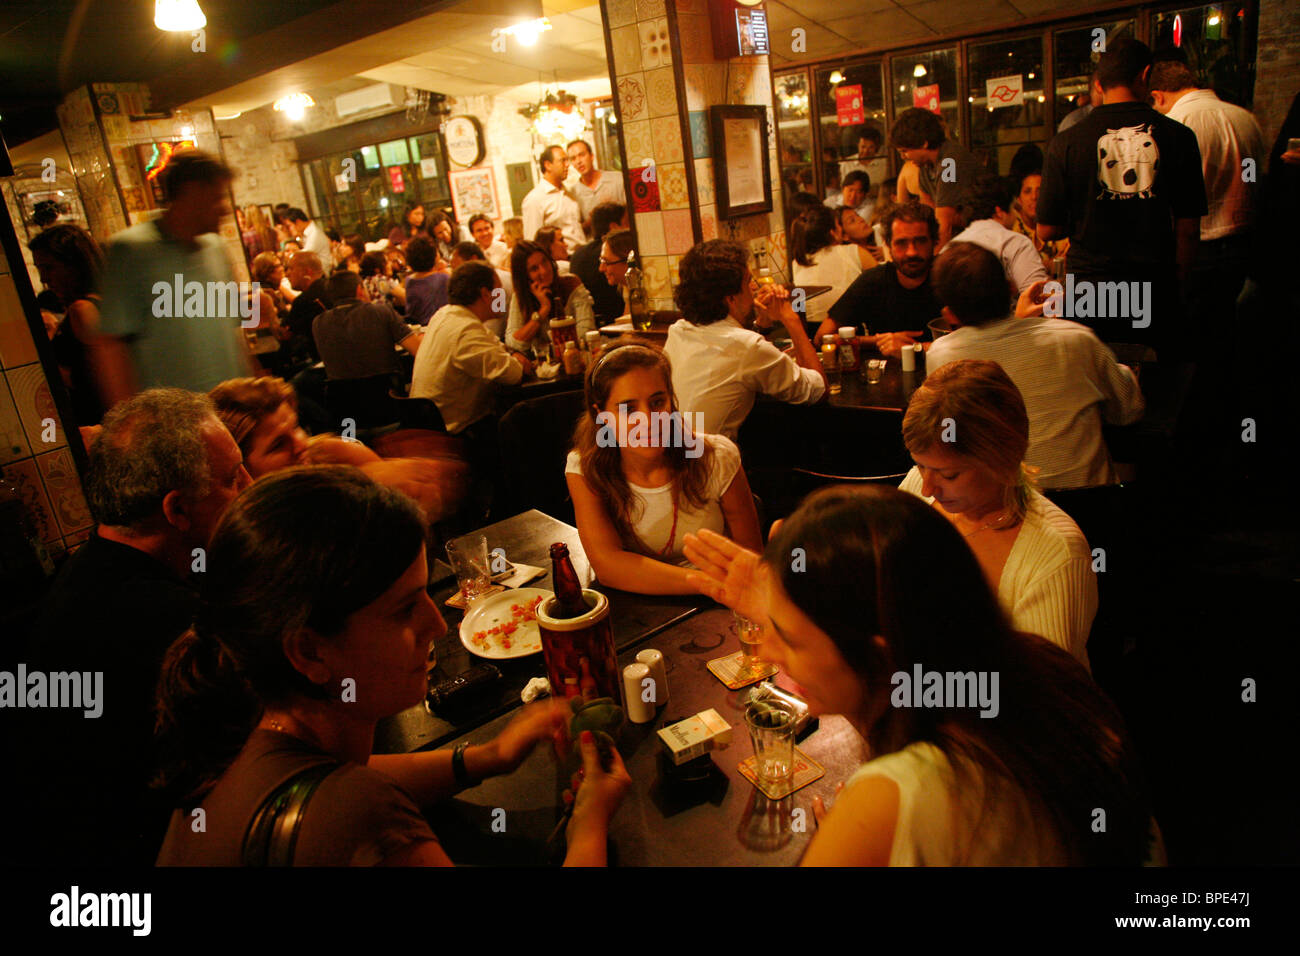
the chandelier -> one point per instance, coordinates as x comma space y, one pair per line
555, 117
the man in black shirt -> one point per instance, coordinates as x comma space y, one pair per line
894, 301
161, 474
585, 263
306, 274
1125, 186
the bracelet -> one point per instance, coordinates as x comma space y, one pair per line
458, 766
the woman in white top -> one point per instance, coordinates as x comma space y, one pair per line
967, 430
542, 296
990, 746
641, 478
820, 258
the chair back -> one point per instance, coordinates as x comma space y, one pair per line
367, 401
535, 436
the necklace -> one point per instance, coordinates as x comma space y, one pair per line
672, 533
1003, 516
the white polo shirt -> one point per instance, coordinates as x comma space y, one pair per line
1227, 134
547, 205
457, 365
1020, 260
608, 188
719, 370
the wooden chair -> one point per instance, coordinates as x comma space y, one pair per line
535, 436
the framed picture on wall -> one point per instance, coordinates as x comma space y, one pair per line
742, 171
474, 191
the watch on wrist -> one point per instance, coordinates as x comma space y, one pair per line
458, 766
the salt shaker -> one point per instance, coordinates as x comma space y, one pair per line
636, 688
654, 660
909, 359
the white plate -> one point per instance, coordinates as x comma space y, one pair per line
494, 610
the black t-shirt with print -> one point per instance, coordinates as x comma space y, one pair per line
876, 301
1116, 181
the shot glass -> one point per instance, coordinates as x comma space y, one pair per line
468, 557
771, 728
875, 370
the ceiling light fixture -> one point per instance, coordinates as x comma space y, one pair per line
555, 117
528, 32
919, 70
235, 115
294, 105
178, 16
836, 78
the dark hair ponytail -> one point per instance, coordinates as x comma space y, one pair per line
811, 233
304, 547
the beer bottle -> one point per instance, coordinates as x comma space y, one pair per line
569, 601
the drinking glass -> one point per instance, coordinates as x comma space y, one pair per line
468, 557
771, 728
875, 370
751, 638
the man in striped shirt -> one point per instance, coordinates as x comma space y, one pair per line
1069, 380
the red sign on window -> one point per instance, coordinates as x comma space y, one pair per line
395, 179
926, 97
848, 105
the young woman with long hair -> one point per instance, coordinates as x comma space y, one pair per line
71, 265
640, 479
412, 225
1012, 762
314, 624
543, 296
821, 257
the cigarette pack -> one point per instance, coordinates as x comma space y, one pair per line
696, 736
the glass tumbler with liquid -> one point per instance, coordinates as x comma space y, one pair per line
831, 363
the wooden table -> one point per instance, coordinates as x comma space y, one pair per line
526, 539
722, 821
508, 396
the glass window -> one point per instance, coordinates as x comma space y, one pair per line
370, 156
794, 131
1076, 53
928, 80
1218, 46
851, 114
394, 153
1008, 107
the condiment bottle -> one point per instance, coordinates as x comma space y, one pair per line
572, 358
849, 354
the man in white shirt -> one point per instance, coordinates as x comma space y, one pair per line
991, 226
855, 193
311, 236
1227, 135
720, 364
1069, 380
495, 251
593, 186
464, 252
550, 204
459, 360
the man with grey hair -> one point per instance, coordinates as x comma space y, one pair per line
162, 472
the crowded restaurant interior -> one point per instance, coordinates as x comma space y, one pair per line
624, 426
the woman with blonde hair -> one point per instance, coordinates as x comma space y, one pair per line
967, 430
641, 478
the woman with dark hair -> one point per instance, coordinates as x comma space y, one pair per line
543, 296
442, 230
309, 632
412, 225
426, 284
70, 265
863, 629
348, 252
967, 430
552, 240
821, 257
641, 477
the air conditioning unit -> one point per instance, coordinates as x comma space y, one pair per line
368, 98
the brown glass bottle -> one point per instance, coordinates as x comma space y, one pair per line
569, 601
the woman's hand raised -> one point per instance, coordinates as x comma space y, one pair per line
727, 573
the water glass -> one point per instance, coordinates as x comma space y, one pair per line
771, 728
468, 557
875, 370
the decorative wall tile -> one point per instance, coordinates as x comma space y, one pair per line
27, 477
704, 84
704, 181
626, 43
740, 79
674, 277
16, 345
655, 270
673, 191
708, 221
64, 490
701, 146
654, 43
620, 13
638, 142
645, 190
696, 38
35, 404
661, 92
631, 97
777, 252
650, 234
678, 234
667, 134
649, 9
13, 440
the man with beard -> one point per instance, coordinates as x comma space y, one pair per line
895, 302
721, 361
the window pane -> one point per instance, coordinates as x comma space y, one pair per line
794, 131
1218, 49
414, 144
1008, 107
1076, 53
851, 102
370, 157
394, 153
915, 79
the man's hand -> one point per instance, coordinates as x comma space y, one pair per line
891, 344
1033, 301
522, 359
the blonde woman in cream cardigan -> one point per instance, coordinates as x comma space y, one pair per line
966, 429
